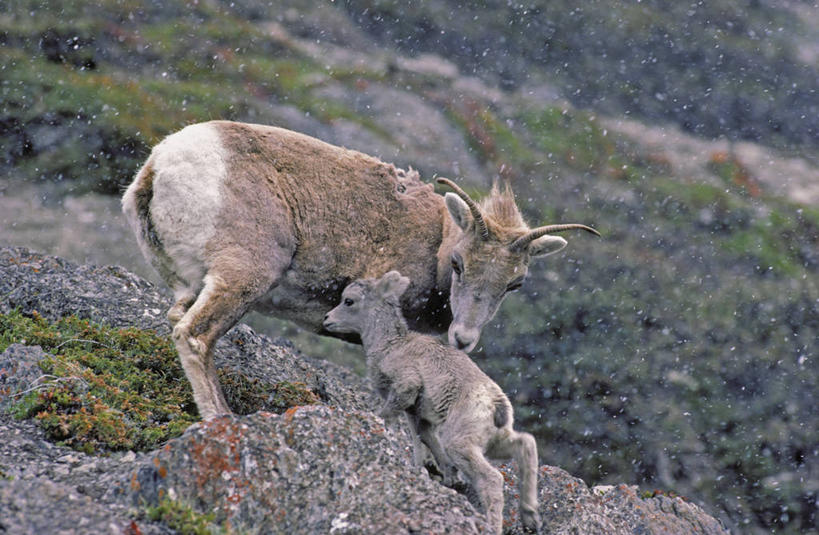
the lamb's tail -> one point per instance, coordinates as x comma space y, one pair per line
503, 412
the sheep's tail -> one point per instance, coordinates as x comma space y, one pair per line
503, 412
136, 204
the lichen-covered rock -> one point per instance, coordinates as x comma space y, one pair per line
313, 469
42, 506
569, 506
18, 371
56, 288
330, 467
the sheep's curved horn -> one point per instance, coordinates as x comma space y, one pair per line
534, 234
473, 207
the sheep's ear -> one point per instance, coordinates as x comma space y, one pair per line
458, 209
546, 245
392, 285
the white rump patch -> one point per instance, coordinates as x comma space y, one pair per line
190, 168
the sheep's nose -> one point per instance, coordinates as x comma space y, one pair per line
460, 344
463, 338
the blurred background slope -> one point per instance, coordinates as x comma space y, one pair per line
678, 352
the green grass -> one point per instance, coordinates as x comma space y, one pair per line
488, 137
183, 519
120, 85
102, 389
105, 389
571, 137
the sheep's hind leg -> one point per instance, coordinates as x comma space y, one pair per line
184, 299
219, 305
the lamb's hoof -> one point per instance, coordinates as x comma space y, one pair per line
530, 520
460, 487
434, 472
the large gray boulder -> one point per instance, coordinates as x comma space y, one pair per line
314, 469
328, 468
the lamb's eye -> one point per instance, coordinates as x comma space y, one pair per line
348, 302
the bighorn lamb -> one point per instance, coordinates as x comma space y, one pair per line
459, 413
237, 216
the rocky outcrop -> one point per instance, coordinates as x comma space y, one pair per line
333, 467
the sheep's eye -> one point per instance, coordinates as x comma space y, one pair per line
457, 264
348, 302
514, 286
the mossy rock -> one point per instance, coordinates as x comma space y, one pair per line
104, 389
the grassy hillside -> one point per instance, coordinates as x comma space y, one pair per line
735, 68
677, 352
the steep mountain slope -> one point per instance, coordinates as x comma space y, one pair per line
739, 69
81, 363
678, 351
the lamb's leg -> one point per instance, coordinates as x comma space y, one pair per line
219, 305
523, 449
402, 395
429, 438
421, 456
485, 480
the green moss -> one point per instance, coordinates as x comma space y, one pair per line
286, 394
106, 389
102, 388
246, 395
183, 519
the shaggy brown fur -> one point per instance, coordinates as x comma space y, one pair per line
501, 211
375, 217
238, 216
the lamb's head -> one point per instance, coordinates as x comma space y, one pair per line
363, 300
491, 257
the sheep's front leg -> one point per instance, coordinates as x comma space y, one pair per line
226, 295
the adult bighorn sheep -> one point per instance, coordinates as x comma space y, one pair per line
458, 412
238, 216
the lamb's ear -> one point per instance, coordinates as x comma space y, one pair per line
392, 285
546, 245
458, 209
